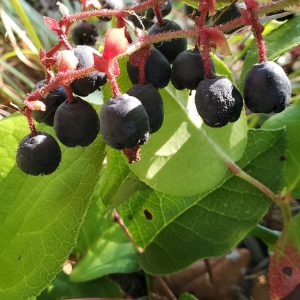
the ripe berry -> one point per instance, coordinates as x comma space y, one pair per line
170, 49
110, 4
124, 122
157, 70
52, 101
165, 9
267, 88
218, 101
187, 70
85, 33
76, 123
89, 84
39, 154
152, 102
227, 14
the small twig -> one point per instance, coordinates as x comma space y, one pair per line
209, 272
119, 220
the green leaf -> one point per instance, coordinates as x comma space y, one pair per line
220, 3
186, 147
63, 288
221, 68
277, 42
187, 296
40, 216
176, 231
106, 248
290, 119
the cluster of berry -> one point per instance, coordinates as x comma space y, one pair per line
126, 120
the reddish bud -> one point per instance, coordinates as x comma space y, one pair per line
66, 61
115, 43
35, 105
52, 24
217, 40
104, 65
91, 4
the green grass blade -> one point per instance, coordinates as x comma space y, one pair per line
26, 21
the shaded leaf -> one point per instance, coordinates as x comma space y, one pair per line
184, 229
63, 288
284, 271
40, 216
105, 247
290, 119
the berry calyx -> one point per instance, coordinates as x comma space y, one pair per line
267, 88
218, 101
152, 102
76, 123
170, 49
52, 101
89, 84
39, 154
124, 122
187, 70
85, 33
157, 69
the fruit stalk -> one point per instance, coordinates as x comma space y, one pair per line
28, 114
158, 14
113, 82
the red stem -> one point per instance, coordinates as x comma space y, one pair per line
28, 113
53, 50
69, 93
142, 75
261, 47
208, 72
158, 14
64, 40
114, 85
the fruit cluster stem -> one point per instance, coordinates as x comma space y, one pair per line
257, 28
28, 113
113, 82
158, 15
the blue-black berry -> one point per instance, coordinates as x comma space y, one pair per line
218, 101
38, 154
267, 88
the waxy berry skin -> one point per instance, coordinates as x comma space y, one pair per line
157, 70
170, 49
267, 88
85, 33
124, 122
110, 4
52, 101
89, 84
39, 154
187, 70
218, 101
76, 123
152, 101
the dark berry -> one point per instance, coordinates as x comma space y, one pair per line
85, 33
140, 21
110, 4
187, 70
170, 49
52, 101
76, 123
218, 101
89, 84
157, 70
124, 122
267, 88
227, 14
165, 9
39, 154
191, 12
152, 101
